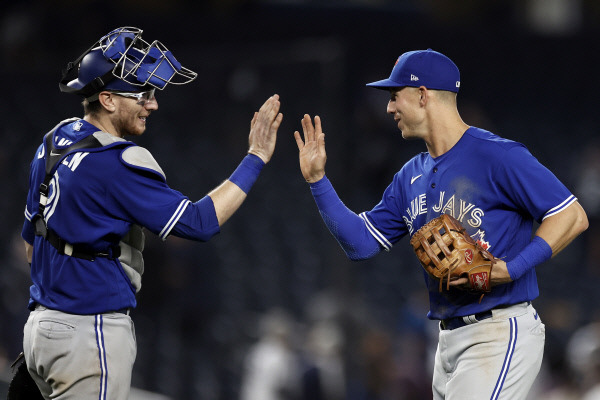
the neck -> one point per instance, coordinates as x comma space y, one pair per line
104, 124
444, 132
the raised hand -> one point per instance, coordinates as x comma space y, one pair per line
312, 150
263, 129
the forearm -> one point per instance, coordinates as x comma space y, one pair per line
28, 251
227, 198
345, 225
230, 195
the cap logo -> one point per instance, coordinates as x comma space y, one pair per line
413, 77
458, 84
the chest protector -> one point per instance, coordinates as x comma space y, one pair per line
129, 249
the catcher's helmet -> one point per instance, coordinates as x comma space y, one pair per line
122, 60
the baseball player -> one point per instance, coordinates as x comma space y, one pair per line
490, 346
91, 194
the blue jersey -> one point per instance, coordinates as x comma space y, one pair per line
95, 197
494, 187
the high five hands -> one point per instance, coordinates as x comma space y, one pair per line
263, 129
312, 150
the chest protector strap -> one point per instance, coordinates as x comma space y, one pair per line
53, 157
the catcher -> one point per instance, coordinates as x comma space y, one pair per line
471, 195
91, 194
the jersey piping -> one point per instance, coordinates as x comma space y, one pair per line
555, 210
375, 233
174, 218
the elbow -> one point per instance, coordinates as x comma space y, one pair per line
355, 257
360, 254
581, 220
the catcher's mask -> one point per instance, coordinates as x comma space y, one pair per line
123, 61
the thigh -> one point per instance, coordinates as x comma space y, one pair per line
440, 375
500, 358
521, 371
80, 356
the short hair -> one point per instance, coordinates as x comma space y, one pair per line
447, 96
91, 107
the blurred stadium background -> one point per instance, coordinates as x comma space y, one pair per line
271, 308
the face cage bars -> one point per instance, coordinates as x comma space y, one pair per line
138, 52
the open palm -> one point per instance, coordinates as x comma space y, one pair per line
312, 149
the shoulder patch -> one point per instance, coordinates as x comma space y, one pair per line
139, 157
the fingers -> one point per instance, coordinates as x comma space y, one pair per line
268, 115
459, 281
311, 133
305, 127
268, 112
299, 141
321, 142
277, 122
263, 129
318, 129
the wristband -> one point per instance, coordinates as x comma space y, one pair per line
247, 172
533, 254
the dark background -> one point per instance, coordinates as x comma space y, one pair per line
529, 72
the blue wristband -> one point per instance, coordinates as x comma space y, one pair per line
247, 172
533, 254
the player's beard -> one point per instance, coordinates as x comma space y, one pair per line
130, 123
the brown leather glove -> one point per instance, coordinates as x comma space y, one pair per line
447, 253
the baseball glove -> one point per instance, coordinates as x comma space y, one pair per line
447, 253
22, 386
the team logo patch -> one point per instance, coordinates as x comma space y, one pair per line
480, 281
479, 237
469, 256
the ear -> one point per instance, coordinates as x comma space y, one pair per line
423, 96
106, 99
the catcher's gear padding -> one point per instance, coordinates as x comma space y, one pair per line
22, 385
447, 252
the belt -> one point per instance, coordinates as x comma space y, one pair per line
126, 311
458, 322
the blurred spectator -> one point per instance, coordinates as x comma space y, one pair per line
271, 369
191, 333
583, 356
323, 376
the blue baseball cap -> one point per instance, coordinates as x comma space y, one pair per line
422, 68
